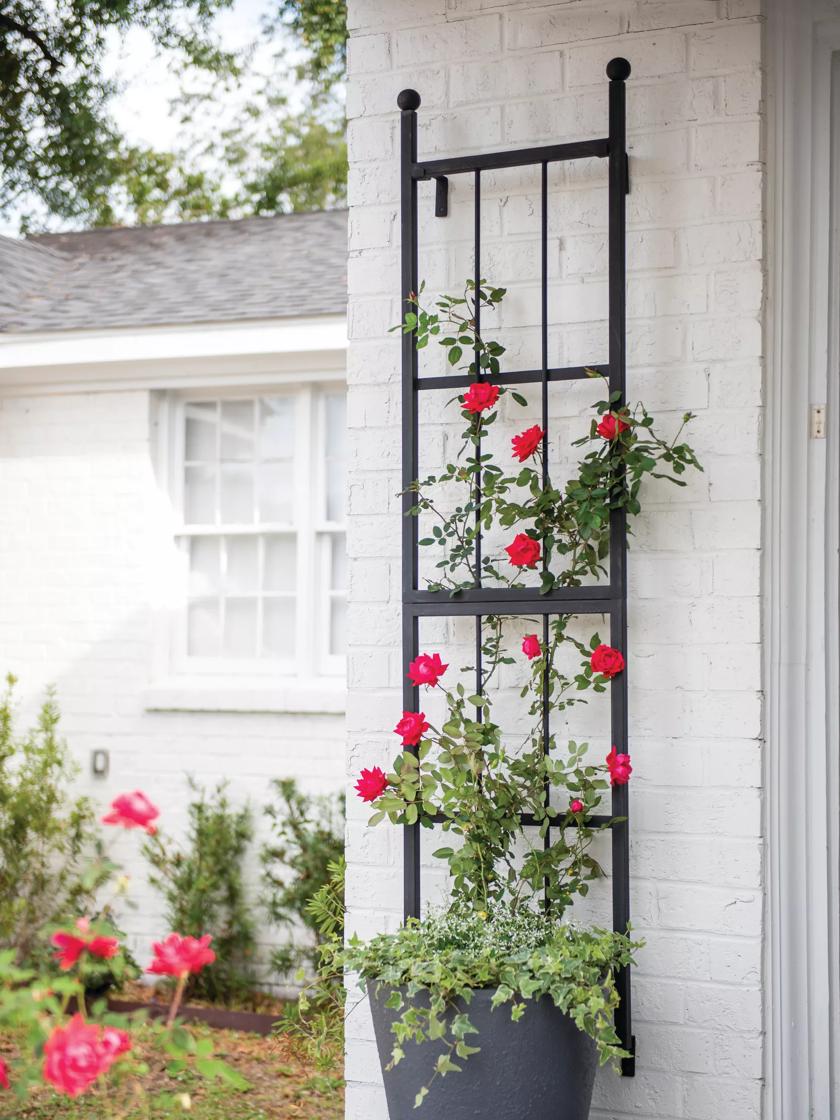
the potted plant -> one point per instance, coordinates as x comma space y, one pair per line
499, 986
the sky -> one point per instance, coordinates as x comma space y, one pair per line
142, 109
148, 85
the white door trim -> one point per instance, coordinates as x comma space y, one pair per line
800, 574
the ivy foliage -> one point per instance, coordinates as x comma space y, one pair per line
521, 954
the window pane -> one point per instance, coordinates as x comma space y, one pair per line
278, 628
200, 495
335, 441
279, 563
240, 628
338, 626
277, 430
200, 436
237, 494
338, 562
242, 571
204, 565
276, 492
203, 628
237, 430
336, 416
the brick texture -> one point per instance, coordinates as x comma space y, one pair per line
497, 74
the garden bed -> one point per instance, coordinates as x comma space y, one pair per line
283, 1087
257, 1020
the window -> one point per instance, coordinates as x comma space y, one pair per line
261, 493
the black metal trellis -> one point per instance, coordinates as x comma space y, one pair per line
608, 599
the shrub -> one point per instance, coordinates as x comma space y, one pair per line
314, 1025
47, 835
203, 885
307, 839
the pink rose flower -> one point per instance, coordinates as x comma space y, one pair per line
607, 661
4, 1075
412, 726
576, 806
531, 646
115, 1042
76, 1055
179, 956
371, 784
426, 669
133, 810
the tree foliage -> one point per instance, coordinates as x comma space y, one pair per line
61, 152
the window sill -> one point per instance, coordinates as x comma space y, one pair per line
326, 696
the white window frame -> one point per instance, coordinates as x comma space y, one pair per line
313, 678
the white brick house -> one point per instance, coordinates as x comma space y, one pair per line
171, 516
733, 116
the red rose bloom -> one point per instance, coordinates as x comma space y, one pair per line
607, 661
133, 810
526, 444
611, 426
412, 727
524, 552
178, 956
426, 669
531, 646
75, 1055
70, 946
371, 784
576, 806
481, 395
4, 1075
619, 768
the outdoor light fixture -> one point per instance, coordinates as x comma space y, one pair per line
100, 763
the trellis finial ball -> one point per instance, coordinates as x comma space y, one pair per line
618, 69
408, 99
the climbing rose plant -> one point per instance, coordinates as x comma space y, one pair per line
464, 774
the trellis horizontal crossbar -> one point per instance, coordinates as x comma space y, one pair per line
516, 377
484, 602
595, 820
519, 157
480, 602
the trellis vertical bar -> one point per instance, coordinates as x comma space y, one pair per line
618, 71
479, 670
409, 102
546, 721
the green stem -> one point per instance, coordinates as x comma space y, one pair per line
176, 999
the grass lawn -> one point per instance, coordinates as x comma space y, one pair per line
283, 1087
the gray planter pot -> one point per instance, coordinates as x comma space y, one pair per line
540, 1068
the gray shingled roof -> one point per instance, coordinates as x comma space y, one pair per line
197, 272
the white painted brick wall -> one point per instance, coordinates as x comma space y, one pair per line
500, 74
82, 543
